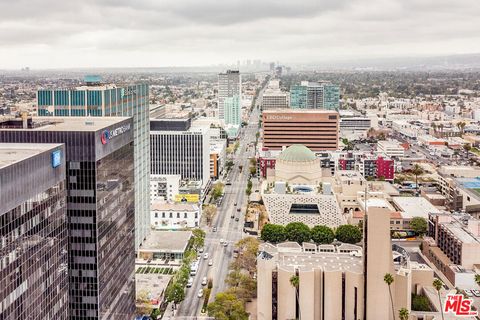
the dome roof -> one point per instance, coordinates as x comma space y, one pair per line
297, 153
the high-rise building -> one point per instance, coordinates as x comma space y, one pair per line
312, 95
229, 97
100, 208
33, 232
315, 129
180, 150
107, 100
274, 99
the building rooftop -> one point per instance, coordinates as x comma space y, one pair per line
173, 241
303, 111
291, 255
414, 207
68, 123
162, 206
11, 153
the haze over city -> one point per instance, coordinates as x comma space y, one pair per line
85, 34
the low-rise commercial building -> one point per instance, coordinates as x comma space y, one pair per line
391, 148
170, 216
165, 245
164, 187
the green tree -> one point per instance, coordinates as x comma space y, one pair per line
295, 282
403, 314
417, 170
248, 191
198, 238
236, 146
249, 184
477, 279
438, 284
322, 235
419, 225
176, 293
467, 147
388, 278
228, 164
253, 171
247, 259
298, 232
253, 161
217, 190
155, 313
241, 285
420, 303
273, 233
227, 307
348, 233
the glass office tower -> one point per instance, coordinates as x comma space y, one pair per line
33, 232
108, 100
100, 209
312, 95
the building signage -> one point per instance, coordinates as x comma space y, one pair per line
110, 134
187, 197
129, 91
56, 158
278, 117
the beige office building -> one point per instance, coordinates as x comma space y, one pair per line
338, 281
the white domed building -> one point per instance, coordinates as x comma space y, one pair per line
295, 191
298, 165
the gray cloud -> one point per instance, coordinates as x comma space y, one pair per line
58, 33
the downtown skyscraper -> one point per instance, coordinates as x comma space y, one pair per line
108, 100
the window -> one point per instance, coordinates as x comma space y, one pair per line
178, 215
156, 214
163, 214
185, 215
171, 214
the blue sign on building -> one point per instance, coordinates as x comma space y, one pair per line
56, 158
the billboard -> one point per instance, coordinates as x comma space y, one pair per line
187, 198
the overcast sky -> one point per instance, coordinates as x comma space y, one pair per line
148, 33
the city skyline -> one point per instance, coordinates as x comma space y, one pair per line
186, 33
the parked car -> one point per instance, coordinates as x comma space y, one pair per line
476, 293
468, 292
200, 250
200, 293
190, 282
204, 281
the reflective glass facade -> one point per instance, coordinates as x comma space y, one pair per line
100, 211
33, 239
315, 96
107, 101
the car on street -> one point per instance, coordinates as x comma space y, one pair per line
200, 293
200, 250
236, 219
210, 262
476, 293
205, 256
225, 243
214, 229
238, 209
469, 293
190, 282
232, 216
204, 281
235, 204
221, 241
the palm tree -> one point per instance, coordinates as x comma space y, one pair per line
295, 282
403, 314
467, 147
388, 278
477, 279
417, 170
438, 284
